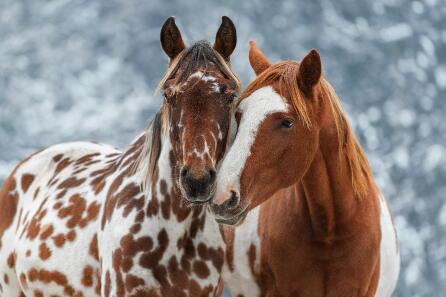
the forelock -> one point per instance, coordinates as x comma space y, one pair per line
198, 57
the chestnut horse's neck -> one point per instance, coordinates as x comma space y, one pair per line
329, 197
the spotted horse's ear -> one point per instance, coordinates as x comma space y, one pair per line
257, 59
171, 39
310, 72
226, 38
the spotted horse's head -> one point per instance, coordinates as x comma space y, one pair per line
199, 89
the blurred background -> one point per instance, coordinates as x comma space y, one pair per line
86, 70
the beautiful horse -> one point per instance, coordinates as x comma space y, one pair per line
84, 219
322, 227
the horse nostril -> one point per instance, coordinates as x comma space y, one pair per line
197, 183
212, 175
184, 172
232, 202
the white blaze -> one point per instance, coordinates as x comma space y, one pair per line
255, 109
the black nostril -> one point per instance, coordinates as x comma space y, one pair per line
232, 202
184, 172
212, 175
196, 184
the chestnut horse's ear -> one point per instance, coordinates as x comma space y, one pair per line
257, 59
171, 39
226, 38
310, 71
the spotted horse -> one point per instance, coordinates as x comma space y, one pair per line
85, 219
311, 220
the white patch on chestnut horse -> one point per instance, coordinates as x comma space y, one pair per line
256, 108
241, 281
390, 257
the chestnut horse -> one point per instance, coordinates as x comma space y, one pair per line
84, 219
322, 227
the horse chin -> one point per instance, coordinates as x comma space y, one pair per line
199, 200
235, 220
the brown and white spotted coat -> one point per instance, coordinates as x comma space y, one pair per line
85, 219
50, 208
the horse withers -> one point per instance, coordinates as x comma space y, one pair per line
311, 220
84, 219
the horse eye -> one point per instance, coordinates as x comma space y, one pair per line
231, 98
287, 123
168, 93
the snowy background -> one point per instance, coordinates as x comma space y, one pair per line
73, 70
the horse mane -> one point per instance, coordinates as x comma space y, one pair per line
199, 56
285, 74
146, 161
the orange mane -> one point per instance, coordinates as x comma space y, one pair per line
285, 74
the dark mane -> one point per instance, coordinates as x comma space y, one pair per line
199, 56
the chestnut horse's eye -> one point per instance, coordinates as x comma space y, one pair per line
231, 98
287, 123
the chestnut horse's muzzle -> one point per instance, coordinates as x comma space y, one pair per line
228, 211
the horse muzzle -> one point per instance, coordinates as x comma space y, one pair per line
228, 211
197, 186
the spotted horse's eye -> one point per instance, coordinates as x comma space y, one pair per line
228, 93
169, 92
232, 97
287, 123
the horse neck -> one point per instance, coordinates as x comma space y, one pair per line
330, 201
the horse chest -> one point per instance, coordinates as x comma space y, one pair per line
162, 247
294, 263
286, 262
241, 271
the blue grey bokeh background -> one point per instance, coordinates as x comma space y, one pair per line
72, 70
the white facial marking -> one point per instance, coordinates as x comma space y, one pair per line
201, 154
255, 109
197, 74
215, 87
220, 135
201, 76
180, 122
183, 139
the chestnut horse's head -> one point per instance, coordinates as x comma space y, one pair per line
199, 88
281, 117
